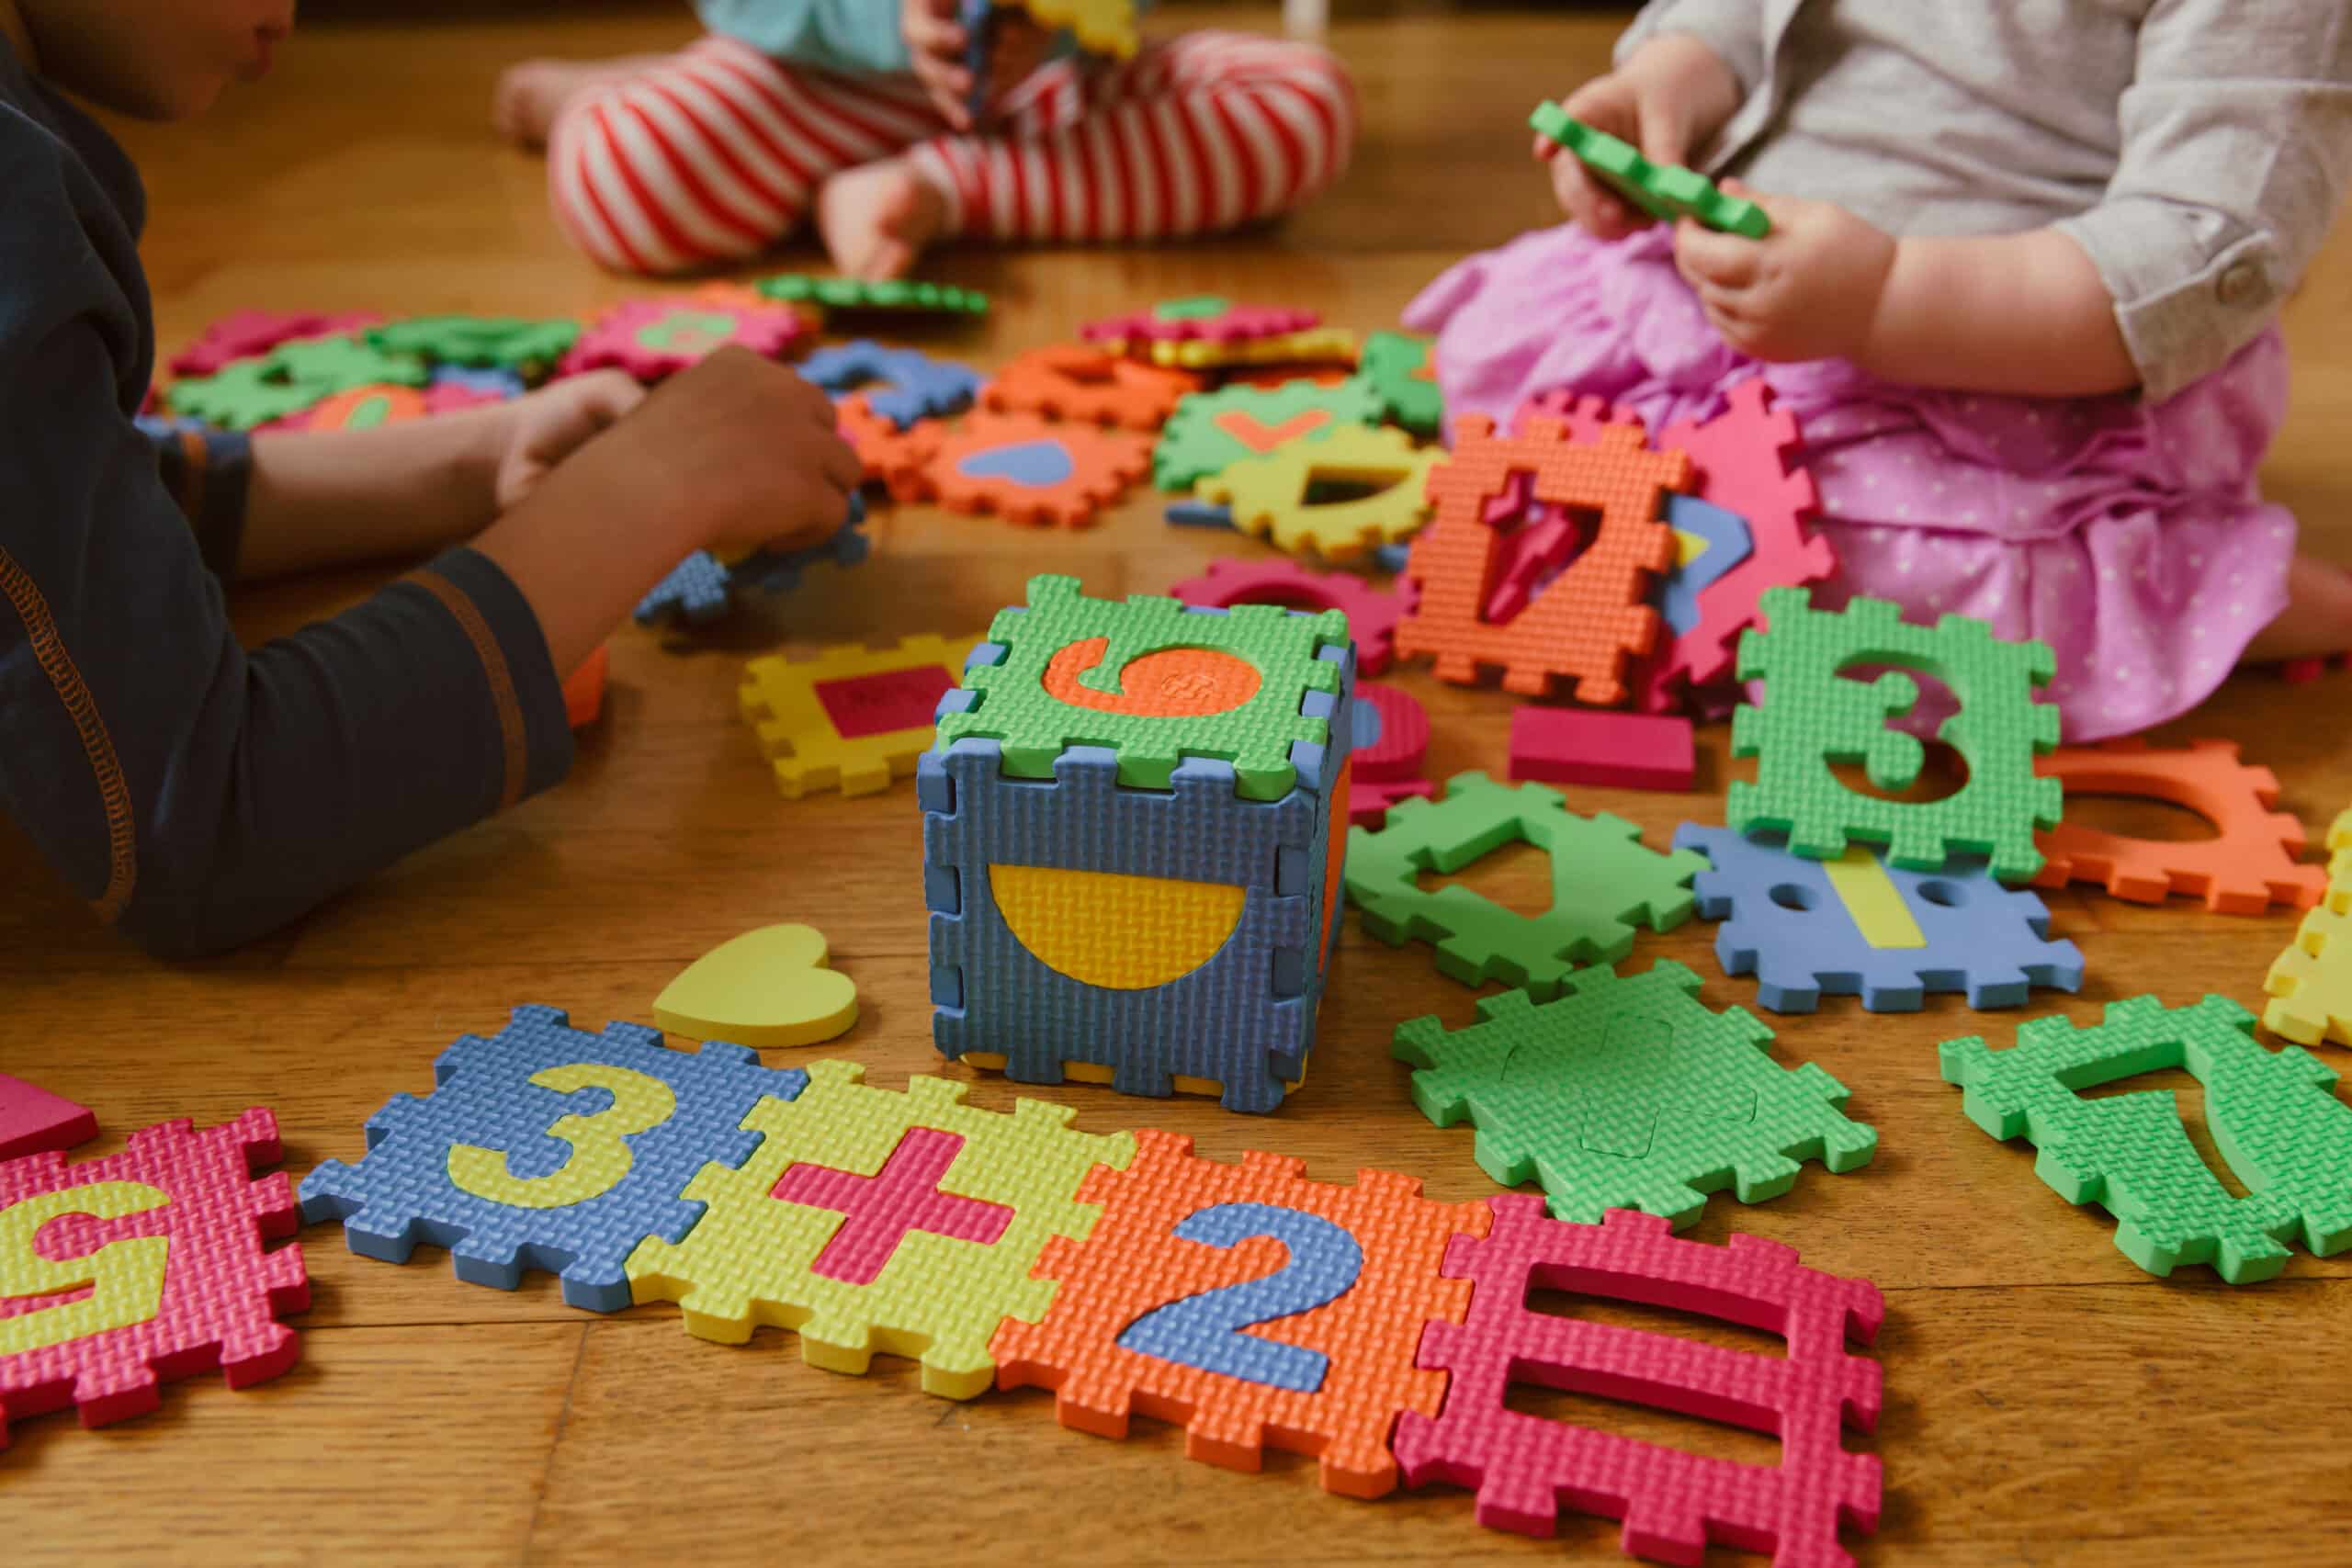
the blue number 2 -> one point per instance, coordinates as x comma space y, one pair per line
1204, 1331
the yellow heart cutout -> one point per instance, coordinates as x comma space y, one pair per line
765, 988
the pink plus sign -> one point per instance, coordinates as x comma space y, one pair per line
879, 1210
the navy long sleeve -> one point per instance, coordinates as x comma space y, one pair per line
197, 795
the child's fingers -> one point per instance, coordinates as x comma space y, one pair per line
841, 467
1704, 256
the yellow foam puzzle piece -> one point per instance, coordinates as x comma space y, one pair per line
767, 987
749, 1258
1108, 929
1267, 494
1310, 345
1103, 1073
2310, 983
781, 698
2339, 866
1101, 27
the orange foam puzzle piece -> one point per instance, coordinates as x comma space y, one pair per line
584, 689
893, 458
1078, 382
2248, 868
1028, 469
1595, 617
1356, 1271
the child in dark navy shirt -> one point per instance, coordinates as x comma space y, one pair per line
199, 794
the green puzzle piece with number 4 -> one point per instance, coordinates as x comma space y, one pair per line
1662, 190
1628, 1093
2274, 1115
1812, 716
1603, 880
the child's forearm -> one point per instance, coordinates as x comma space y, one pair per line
339, 496
2023, 314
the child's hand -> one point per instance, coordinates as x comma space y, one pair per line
1670, 97
937, 43
549, 426
1808, 290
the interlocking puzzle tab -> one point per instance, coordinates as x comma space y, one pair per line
546, 1147
2275, 1117
870, 1220
120, 1272
1591, 620
853, 718
2310, 983
1662, 190
1604, 880
1628, 1093
1812, 716
1131, 847
1527, 1466
1248, 1303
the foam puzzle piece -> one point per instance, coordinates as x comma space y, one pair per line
146, 1265
33, 1121
1667, 191
829, 1227
1613, 750
289, 378
652, 339
531, 348
1027, 469
1187, 513
584, 689
1603, 880
1853, 927
1248, 1303
2275, 1117
546, 1147
766, 988
1076, 382
2244, 869
2339, 864
249, 334
1628, 1093
1674, 1504
978, 18
2310, 983
1067, 670
1272, 496
893, 458
852, 718
494, 385
1392, 743
365, 408
701, 588
1401, 368
1372, 611
1195, 316
1101, 27
901, 385
1812, 716
1316, 345
1591, 620
893, 294
1210, 432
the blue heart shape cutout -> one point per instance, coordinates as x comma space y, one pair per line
1040, 464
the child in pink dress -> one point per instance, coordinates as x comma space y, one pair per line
2021, 293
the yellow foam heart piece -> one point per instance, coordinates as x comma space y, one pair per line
765, 988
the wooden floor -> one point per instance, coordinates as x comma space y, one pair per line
2046, 1403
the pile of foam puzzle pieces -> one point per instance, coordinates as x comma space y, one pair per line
1141, 820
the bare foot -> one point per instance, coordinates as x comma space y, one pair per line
876, 220
2318, 617
530, 95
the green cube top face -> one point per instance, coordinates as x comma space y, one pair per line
1155, 681
1667, 191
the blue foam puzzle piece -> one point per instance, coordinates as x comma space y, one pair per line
1040, 464
1729, 542
901, 385
699, 589
1392, 557
1982, 937
489, 379
1246, 1018
1199, 515
401, 1193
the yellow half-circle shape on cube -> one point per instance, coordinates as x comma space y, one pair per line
1086, 924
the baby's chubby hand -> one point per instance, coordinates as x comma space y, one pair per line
1808, 290
937, 46
1670, 97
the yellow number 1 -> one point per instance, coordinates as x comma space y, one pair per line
125, 1278
599, 1158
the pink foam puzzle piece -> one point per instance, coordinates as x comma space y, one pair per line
1527, 1466
651, 339
95, 1313
1231, 323
242, 334
1373, 611
32, 1120
1386, 765
1593, 746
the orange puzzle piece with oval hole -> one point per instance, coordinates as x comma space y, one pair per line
1028, 469
1595, 617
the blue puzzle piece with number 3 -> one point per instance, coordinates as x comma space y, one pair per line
547, 1147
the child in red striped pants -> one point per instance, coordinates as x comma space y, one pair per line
854, 113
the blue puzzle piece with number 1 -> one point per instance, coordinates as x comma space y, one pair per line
546, 1147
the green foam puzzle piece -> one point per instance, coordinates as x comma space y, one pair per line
1210, 432
1396, 366
1811, 717
1603, 880
878, 294
1628, 1093
1662, 190
1191, 308
528, 347
1033, 727
289, 378
2274, 1116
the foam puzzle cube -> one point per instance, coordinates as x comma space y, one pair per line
1134, 827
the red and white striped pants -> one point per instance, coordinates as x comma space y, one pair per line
716, 153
